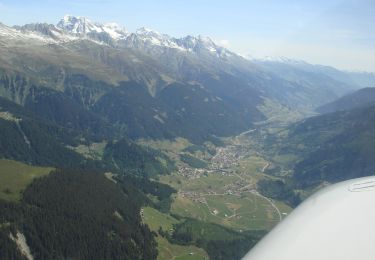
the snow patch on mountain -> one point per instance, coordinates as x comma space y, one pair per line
149, 36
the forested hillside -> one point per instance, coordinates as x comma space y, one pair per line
348, 153
331, 147
78, 215
360, 98
32, 139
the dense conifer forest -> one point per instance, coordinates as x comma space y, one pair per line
78, 215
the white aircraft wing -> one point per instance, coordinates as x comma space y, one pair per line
336, 223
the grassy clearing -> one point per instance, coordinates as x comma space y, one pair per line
155, 219
15, 176
4, 225
187, 208
169, 146
7, 116
93, 151
169, 251
285, 159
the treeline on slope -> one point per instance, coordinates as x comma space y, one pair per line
78, 215
219, 242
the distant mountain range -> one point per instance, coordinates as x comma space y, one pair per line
148, 84
289, 67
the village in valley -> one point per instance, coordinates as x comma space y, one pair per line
226, 180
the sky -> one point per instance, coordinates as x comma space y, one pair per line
339, 33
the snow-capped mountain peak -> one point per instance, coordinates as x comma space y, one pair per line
147, 31
206, 40
154, 38
207, 43
77, 25
83, 26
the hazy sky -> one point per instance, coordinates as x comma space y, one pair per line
330, 32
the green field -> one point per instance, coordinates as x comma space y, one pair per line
155, 219
248, 212
211, 182
15, 176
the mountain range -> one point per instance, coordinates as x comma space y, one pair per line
145, 82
